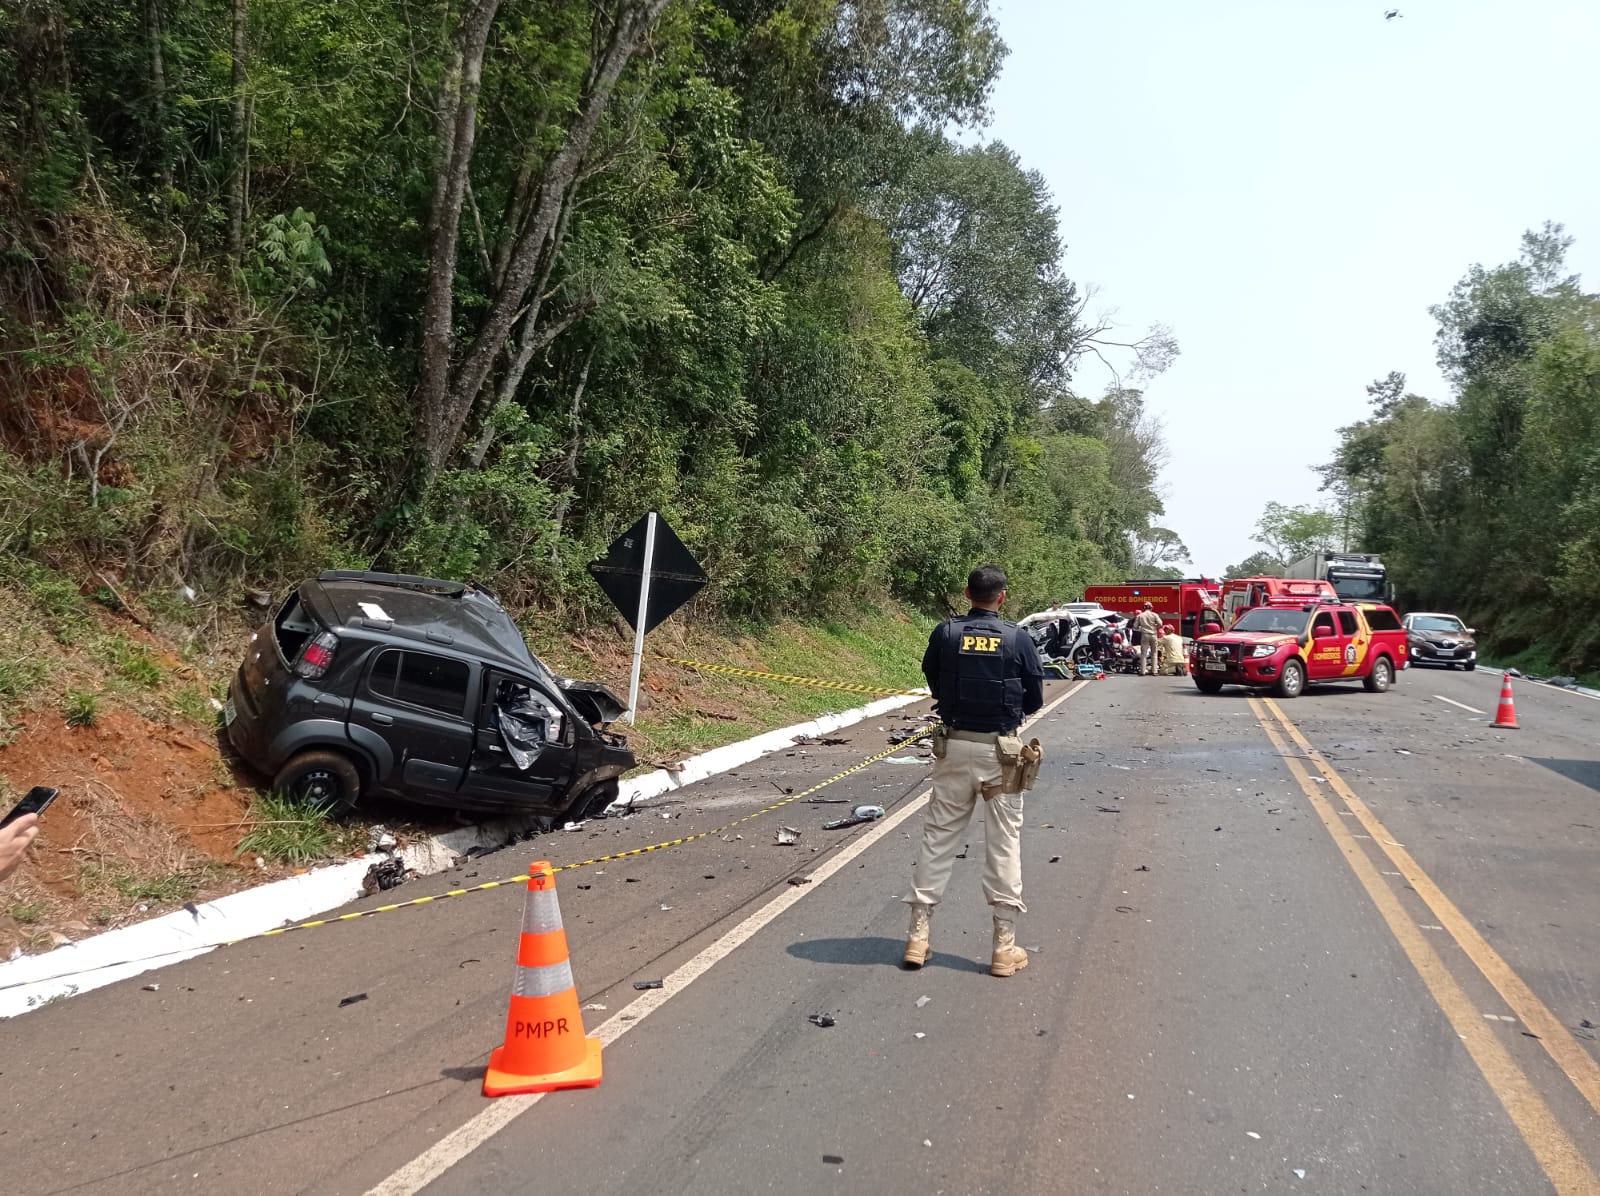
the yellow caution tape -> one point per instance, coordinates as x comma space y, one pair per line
849, 687
522, 878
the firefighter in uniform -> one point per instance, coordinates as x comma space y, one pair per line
1147, 626
986, 677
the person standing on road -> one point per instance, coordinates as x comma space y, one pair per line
1147, 626
985, 677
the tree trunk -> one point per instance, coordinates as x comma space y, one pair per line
455, 130
238, 131
156, 135
447, 409
569, 467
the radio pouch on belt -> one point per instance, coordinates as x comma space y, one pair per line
1009, 749
939, 740
1032, 755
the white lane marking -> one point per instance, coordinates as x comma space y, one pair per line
1463, 705
451, 1149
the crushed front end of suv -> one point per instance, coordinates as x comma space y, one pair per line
368, 684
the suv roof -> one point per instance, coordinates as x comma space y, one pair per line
425, 609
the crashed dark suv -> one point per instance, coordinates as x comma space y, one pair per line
421, 689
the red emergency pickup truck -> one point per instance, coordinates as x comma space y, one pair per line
1283, 648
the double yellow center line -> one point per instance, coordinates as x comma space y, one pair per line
1554, 1149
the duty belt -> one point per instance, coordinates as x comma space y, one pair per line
977, 736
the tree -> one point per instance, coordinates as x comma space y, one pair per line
1157, 551
1289, 533
1257, 564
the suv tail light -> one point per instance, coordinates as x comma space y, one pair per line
316, 656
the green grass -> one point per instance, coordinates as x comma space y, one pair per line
54, 596
165, 887
879, 648
194, 704
81, 707
287, 831
26, 913
20, 673
130, 661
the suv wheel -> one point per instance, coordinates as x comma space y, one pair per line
1381, 677
1292, 680
321, 778
596, 799
1207, 686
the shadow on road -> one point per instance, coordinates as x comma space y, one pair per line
875, 952
1585, 772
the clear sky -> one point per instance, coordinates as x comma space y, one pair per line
1289, 184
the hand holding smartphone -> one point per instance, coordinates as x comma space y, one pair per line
36, 802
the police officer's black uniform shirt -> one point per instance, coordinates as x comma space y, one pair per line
984, 672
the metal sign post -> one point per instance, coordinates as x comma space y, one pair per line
647, 573
641, 622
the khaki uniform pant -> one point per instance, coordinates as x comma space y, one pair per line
958, 782
1147, 652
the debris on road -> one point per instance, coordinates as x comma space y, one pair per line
573, 826
1252, 1134
380, 839
799, 880
152, 988
919, 1034
596, 1006
666, 909
1142, 868
642, 985
465, 962
1299, 1172
1108, 809
353, 1000
786, 836
385, 875
921, 1001
904, 760
833, 1158
820, 1019
1055, 859
857, 816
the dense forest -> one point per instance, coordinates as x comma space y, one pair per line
463, 287
1489, 504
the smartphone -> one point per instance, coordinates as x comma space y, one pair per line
37, 801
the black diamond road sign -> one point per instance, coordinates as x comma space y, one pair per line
675, 576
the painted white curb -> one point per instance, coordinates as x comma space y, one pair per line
29, 982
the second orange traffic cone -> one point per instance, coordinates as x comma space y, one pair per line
545, 1047
1506, 716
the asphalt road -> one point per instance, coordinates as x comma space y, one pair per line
1352, 951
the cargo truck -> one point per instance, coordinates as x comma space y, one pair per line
1355, 576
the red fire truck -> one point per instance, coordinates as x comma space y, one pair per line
1181, 603
1239, 594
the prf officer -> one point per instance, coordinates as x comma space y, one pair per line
986, 678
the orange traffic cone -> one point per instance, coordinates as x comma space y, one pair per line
1506, 716
545, 1047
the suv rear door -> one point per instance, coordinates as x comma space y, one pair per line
416, 702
